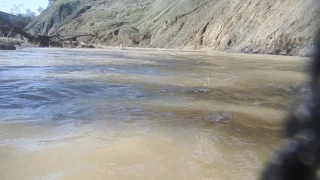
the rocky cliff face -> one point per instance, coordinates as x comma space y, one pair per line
253, 26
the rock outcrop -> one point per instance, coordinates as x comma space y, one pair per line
252, 26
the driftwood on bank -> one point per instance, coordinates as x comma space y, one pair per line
73, 38
43, 40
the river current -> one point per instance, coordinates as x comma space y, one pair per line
80, 114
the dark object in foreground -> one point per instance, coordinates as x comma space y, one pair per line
299, 158
7, 47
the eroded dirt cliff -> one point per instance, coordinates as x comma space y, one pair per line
252, 26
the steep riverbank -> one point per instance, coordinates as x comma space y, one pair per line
253, 26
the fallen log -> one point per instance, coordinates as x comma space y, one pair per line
74, 38
18, 30
43, 40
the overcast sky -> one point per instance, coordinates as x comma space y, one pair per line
6, 5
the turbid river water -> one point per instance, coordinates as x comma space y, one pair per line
141, 114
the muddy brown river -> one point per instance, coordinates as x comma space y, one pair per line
71, 114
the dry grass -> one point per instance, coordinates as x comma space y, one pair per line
11, 41
17, 42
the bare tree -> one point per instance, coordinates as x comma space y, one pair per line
30, 14
40, 10
51, 2
17, 9
23, 17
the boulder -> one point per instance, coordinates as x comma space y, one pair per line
7, 47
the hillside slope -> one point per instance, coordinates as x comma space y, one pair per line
11, 20
253, 26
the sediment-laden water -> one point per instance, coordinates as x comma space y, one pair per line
141, 114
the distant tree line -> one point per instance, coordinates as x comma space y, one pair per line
25, 16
